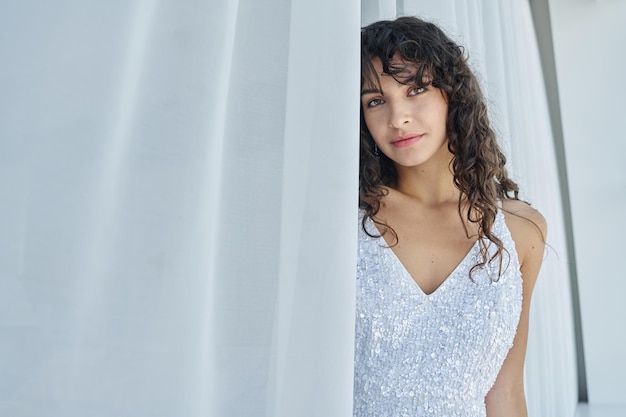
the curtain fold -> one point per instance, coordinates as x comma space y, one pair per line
314, 320
179, 219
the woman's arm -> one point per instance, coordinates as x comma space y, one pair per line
528, 229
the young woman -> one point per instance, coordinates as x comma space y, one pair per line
448, 254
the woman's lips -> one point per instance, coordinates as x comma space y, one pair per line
405, 140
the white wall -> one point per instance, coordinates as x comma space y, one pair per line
590, 50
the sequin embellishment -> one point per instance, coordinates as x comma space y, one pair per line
420, 355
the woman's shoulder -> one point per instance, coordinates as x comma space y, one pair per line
527, 225
522, 215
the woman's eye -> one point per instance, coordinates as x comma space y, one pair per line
416, 90
375, 102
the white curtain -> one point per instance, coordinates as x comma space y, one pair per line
178, 186
178, 217
500, 40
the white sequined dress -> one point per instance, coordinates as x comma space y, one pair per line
438, 354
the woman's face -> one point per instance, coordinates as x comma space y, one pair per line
407, 123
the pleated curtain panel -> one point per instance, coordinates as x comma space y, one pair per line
179, 186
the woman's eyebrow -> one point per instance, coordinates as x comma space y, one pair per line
370, 91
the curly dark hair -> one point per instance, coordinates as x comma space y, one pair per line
478, 164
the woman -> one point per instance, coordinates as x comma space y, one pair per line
448, 254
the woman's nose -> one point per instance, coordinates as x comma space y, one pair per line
399, 116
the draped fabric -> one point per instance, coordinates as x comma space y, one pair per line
500, 41
179, 184
179, 187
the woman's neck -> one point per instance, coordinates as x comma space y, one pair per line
431, 183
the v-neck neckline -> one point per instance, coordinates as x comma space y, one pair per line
443, 283
405, 272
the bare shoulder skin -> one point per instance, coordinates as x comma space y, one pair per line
529, 230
